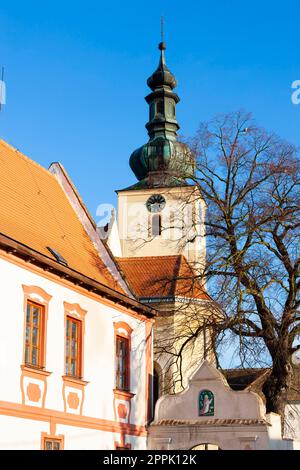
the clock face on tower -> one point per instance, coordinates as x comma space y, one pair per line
155, 203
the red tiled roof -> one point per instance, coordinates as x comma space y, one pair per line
35, 211
161, 276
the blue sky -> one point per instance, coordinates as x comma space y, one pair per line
76, 76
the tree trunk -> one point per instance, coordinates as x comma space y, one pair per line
276, 386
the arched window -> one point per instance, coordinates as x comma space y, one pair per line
206, 446
156, 225
36, 314
123, 353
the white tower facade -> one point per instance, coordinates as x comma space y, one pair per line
162, 222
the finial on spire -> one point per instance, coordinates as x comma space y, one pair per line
162, 44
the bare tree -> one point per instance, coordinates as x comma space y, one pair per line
250, 182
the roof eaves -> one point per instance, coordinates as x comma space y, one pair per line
28, 254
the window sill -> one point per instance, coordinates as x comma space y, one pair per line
123, 393
68, 379
35, 370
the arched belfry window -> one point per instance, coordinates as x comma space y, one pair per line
156, 225
160, 107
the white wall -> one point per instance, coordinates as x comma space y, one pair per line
91, 439
25, 434
99, 356
230, 437
20, 433
189, 211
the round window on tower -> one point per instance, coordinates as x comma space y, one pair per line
156, 203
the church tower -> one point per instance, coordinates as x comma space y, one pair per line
162, 214
162, 238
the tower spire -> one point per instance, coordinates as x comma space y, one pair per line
162, 161
162, 44
162, 100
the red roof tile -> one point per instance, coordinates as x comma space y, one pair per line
161, 276
35, 211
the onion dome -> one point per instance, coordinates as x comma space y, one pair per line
163, 161
162, 75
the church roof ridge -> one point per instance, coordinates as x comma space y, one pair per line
151, 257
